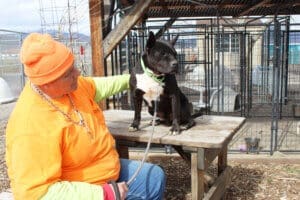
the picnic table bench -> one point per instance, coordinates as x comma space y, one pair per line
199, 145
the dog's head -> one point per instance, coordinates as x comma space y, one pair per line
160, 56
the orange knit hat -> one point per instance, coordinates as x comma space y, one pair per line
44, 58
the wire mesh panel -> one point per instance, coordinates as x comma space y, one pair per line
288, 137
10, 67
293, 92
237, 70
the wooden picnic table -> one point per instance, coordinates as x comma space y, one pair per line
199, 145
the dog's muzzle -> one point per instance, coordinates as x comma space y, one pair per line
174, 67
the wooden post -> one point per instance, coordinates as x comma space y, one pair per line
96, 16
222, 160
197, 177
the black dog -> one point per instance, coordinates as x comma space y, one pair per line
154, 79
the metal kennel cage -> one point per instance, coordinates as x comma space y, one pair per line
241, 68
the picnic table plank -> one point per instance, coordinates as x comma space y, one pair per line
209, 132
203, 142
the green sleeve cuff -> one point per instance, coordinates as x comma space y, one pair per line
110, 85
74, 191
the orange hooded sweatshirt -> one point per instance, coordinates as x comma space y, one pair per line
43, 147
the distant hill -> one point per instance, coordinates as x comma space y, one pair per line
10, 36
76, 36
10, 42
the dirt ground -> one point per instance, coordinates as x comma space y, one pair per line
254, 176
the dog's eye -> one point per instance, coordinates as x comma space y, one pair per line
164, 54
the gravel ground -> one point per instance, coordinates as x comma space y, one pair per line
5, 110
253, 177
256, 177
4, 184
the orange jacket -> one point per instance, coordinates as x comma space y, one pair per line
42, 147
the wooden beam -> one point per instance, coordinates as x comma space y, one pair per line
254, 6
219, 187
96, 36
222, 160
126, 3
197, 178
120, 31
176, 7
205, 156
96, 15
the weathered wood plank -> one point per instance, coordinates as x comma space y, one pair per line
96, 16
197, 178
118, 122
209, 132
219, 187
202, 143
120, 31
209, 154
222, 160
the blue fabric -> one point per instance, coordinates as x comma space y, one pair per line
149, 183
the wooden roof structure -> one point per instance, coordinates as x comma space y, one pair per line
137, 10
234, 8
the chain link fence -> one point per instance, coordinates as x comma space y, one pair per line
11, 69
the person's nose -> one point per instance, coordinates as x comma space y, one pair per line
76, 72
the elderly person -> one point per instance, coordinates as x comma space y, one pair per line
57, 143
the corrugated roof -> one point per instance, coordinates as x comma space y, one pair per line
234, 8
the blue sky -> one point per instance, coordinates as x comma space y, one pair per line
25, 15
20, 15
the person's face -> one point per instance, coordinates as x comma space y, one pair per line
68, 81
65, 84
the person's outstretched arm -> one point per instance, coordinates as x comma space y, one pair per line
81, 191
110, 85
74, 190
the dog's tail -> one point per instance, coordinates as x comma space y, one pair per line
197, 114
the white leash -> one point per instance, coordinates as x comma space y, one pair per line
148, 146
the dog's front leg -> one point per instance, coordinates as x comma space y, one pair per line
138, 101
175, 130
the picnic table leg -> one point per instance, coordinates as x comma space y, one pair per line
222, 160
123, 151
197, 175
218, 189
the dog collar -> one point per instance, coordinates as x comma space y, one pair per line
150, 73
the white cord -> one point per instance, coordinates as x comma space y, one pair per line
147, 149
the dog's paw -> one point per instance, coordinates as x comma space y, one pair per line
156, 123
174, 131
133, 127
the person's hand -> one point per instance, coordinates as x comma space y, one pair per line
122, 189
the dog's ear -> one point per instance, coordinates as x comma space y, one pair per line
173, 41
151, 40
